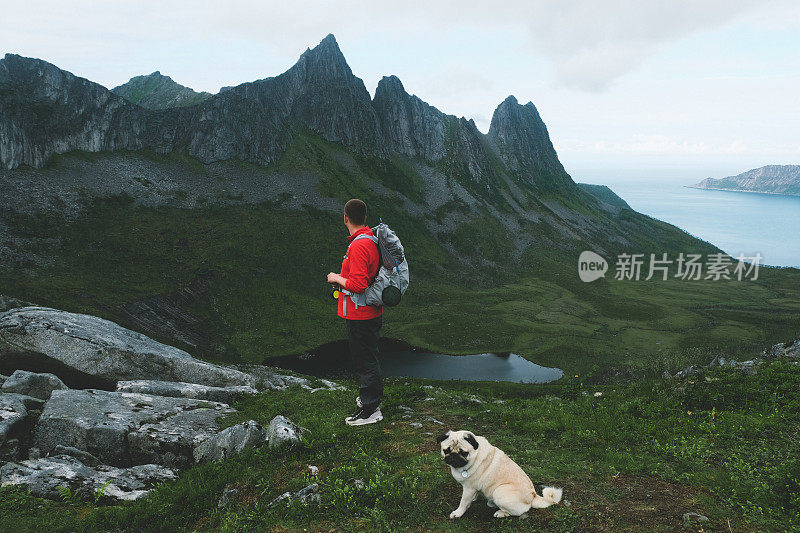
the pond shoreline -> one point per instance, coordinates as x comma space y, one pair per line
400, 359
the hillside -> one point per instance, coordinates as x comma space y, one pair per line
213, 226
771, 179
156, 91
636, 456
604, 194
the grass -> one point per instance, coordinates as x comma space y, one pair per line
634, 459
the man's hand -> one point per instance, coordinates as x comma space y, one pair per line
333, 277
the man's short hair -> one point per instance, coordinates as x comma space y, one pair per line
356, 211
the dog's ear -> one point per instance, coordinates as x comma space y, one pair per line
442, 437
469, 437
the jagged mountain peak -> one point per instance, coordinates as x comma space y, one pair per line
390, 84
325, 59
510, 100
523, 140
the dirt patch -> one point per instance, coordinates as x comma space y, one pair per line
642, 503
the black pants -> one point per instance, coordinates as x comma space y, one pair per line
363, 338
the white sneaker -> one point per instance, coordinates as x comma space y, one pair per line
360, 419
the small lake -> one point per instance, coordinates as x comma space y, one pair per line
333, 360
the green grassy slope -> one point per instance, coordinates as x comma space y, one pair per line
634, 459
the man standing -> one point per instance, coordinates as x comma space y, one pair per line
359, 268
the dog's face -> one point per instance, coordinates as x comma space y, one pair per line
458, 447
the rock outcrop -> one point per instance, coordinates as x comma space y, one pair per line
13, 411
750, 367
55, 477
186, 390
100, 348
124, 429
282, 431
32, 384
306, 495
104, 445
231, 441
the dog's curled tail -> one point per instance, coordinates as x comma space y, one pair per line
550, 496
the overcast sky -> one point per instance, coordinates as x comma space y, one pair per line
628, 89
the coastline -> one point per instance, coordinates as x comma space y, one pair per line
741, 190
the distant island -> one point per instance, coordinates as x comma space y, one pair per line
771, 179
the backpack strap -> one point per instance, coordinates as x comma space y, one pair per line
364, 236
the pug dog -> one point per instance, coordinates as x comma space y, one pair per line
484, 469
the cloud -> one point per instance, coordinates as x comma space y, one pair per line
592, 43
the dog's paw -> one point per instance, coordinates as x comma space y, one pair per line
456, 514
501, 514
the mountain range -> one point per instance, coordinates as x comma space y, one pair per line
771, 179
46, 111
180, 220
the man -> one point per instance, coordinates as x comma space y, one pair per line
359, 268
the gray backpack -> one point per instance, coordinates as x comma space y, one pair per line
392, 278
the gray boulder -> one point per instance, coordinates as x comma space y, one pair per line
14, 409
281, 431
12, 412
10, 450
306, 495
124, 429
793, 350
2, 379
103, 349
231, 441
82, 456
33, 384
692, 518
748, 368
228, 493
775, 351
270, 378
186, 390
47, 477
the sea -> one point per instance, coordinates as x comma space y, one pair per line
735, 222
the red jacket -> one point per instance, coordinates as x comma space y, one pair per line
359, 267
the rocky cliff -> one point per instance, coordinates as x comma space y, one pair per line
45, 110
524, 144
156, 91
771, 179
416, 129
48, 111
